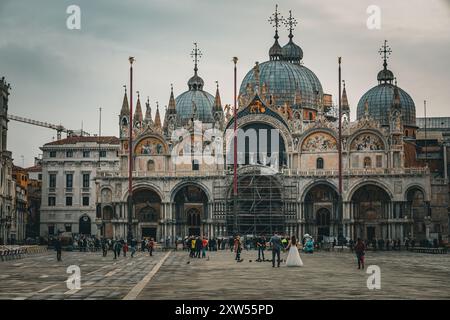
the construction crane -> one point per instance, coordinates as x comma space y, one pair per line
59, 128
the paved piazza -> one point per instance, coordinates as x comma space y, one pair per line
325, 275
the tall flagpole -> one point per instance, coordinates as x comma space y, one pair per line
426, 133
340, 143
235, 182
130, 158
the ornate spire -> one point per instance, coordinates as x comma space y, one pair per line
275, 19
290, 23
157, 117
196, 83
148, 111
385, 75
217, 101
396, 102
172, 106
125, 108
345, 105
138, 112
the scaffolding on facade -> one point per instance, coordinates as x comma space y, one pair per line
264, 204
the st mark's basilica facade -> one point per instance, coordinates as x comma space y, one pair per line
387, 192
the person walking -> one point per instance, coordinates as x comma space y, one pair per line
58, 248
237, 248
198, 247
261, 246
360, 250
118, 249
125, 249
104, 247
277, 245
151, 245
133, 247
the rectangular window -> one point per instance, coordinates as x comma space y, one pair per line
69, 180
103, 154
51, 230
40, 176
51, 201
52, 154
52, 180
86, 154
85, 201
69, 154
68, 227
86, 180
379, 161
195, 165
69, 201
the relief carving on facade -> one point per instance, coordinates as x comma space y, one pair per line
320, 141
367, 142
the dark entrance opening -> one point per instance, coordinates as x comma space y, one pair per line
149, 233
194, 231
323, 223
85, 225
370, 233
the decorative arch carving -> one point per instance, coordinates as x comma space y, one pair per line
319, 141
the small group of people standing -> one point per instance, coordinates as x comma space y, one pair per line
277, 244
197, 246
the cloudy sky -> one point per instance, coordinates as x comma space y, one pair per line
63, 76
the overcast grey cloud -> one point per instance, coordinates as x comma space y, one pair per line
64, 76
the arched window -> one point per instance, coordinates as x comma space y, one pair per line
407, 133
319, 163
193, 217
367, 162
124, 121
151, 165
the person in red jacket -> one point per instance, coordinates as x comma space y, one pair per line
151, 246
204, 246
360, 250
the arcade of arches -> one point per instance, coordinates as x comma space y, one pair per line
263, 207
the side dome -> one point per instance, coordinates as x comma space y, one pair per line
283, 81
380, 99
203, 102
292, 53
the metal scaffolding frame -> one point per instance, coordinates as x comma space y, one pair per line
263, 206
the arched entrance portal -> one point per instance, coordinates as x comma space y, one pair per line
321, 212
323, 223
371, 206
107, 216
259, 207
417, 209
191, 210
147, 210
85, 225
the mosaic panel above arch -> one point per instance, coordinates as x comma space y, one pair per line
150, 146
319, 141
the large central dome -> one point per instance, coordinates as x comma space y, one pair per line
283, 81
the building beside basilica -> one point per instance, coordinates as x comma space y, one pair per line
288, 161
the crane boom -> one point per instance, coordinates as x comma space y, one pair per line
59, 128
